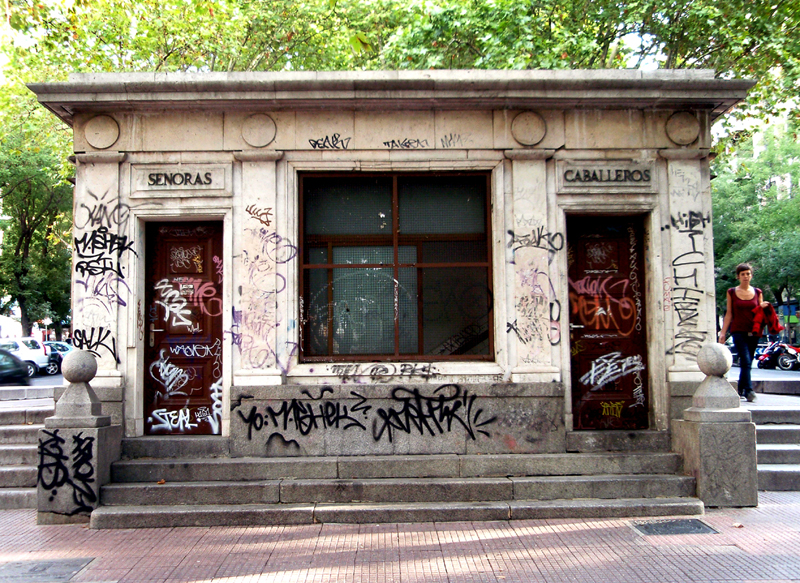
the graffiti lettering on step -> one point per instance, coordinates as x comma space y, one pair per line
95, 339
382, 373
72, 471
334, 142
447, 409
100, 252
406, 144
610, 368
262, 215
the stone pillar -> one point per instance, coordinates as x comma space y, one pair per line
76, 448
717, 437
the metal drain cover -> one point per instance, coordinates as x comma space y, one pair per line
54, 571
679, 526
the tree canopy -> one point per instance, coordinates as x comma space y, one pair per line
756, 200
737, 38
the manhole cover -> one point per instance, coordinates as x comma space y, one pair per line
680, 526
41, 571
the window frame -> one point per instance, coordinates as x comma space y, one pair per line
395, 240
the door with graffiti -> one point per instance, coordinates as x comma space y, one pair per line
607, 322
183, 336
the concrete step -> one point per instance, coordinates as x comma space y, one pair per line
35, 416
15, 498
779, 477
177, 446
363, 467
785, 433
778, 453
266, 514
772, 415
20, 434
22, 393
600, 441
18, 476
19, 454
397, 490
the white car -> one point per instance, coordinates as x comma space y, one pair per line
30, 351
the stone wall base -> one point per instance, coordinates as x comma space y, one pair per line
722, 458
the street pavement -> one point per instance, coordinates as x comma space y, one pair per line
751, 544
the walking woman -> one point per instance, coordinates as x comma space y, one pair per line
739, 319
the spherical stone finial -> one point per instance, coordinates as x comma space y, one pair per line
714, 360
79, 366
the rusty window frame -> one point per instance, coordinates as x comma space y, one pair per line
395, 240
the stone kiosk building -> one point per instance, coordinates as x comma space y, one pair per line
417, 291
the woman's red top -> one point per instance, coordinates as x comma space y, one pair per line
742, 311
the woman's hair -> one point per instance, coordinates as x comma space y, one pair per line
743, 267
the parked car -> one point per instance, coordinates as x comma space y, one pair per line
30, 351
12, 370
58, 350
762, 346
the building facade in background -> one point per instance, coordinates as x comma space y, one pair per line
393, 262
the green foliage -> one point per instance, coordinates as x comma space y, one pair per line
757, 213
35, 255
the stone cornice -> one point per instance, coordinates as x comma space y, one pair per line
392, 90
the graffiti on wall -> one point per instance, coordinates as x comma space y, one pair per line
687, 294
447, 409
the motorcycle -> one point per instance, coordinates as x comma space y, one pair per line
781, 355
790, 359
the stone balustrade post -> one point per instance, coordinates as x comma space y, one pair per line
717, 437
76, 448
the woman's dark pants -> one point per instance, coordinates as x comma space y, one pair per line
746, 347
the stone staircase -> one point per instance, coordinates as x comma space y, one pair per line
19, 455
778, 447
192, 481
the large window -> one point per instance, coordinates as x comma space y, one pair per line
395, 267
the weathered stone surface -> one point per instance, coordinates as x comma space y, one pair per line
722, 458
384, 419
74, 464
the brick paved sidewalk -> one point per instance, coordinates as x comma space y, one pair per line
760, 544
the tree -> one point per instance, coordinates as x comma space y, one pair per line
34, 257
737, 38
756, 201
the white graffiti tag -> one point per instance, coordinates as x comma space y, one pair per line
174, 304
163, 420
610, 368
172, 377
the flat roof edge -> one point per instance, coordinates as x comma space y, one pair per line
473, 88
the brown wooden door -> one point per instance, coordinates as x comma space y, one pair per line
607, 322
183, 340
